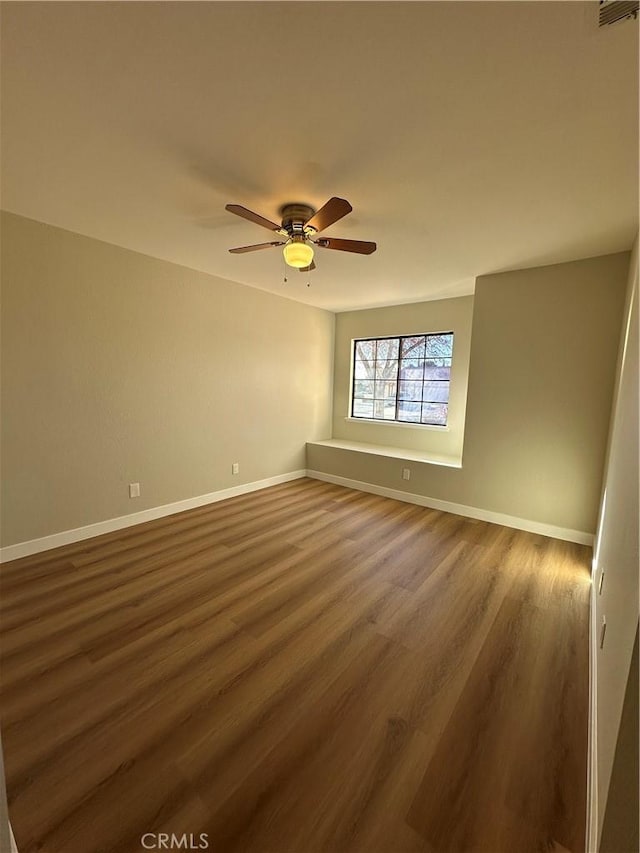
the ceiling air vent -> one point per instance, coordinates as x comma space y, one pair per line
612, 11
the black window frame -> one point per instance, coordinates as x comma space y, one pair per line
423, 380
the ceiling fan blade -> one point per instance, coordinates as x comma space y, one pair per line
311, 266
362, 247
239, 210
240, 249
333, 210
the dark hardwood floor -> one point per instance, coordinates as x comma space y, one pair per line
306, 668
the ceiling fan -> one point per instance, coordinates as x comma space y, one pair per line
300, 224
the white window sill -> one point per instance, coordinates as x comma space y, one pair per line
397, 424
391, 452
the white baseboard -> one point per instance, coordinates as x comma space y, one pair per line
67, 537
551, 530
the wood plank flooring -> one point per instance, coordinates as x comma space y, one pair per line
306, 668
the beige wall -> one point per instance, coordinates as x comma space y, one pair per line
443, 315
117, 367
543, 354
616, 551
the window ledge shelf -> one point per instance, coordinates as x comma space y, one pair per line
402, 424
390, 452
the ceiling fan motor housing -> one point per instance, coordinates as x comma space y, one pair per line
294, 217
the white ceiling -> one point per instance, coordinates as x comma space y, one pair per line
469, 137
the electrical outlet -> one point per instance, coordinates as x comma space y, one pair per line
235, 468
134, 490
406, 473
601, 582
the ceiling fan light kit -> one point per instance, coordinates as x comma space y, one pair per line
298, 253
300, 223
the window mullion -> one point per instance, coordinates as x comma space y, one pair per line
424, 369
398, 378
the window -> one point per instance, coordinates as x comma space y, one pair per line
404, 379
